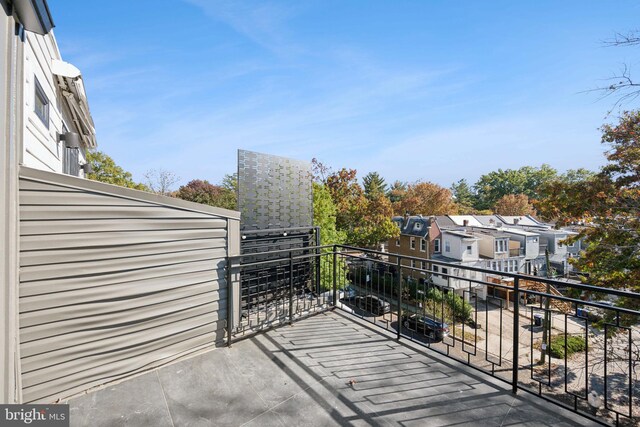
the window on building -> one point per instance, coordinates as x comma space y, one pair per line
423, 245
413, 263
501, 245
447, 246
423, 265
436, 268
41, 104
436, 245
413, 243
397, 242
417, 226
470, 248
445, 270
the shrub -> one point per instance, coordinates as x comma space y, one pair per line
575, 344
461, 309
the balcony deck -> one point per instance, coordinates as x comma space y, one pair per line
329, 369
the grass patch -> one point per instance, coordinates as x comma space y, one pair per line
470, 337
575, 344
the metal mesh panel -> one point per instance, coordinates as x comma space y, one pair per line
273, 192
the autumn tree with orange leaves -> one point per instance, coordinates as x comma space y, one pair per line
365, 220
426, 198
514, 204
608, 207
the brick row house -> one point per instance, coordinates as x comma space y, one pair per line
494, 242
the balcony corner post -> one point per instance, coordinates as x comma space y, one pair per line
318, 263
516, 334
290, 287
399, 313
335, 276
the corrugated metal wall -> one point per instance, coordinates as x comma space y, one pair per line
114, 281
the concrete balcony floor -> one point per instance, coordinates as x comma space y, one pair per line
329, 369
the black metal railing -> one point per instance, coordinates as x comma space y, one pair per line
282, 285
569, 343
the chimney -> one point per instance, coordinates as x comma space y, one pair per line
465, 223
515, 221
406, 219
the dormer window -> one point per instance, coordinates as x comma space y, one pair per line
417, 226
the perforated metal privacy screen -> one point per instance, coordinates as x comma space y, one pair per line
273, 191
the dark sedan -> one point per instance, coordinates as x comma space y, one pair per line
430, 327
373, 304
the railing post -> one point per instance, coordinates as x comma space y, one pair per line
399, 284
229, 302
234, 297
516, 333
290, 287
318, 261
335, 276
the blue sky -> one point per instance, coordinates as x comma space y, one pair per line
431, 90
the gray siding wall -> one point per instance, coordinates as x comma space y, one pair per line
114, 282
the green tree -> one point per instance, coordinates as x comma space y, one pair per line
397, 191
324, 216
608, 206
366, 222
373, 185
527, 180
576, 175
373, 222
230, 183
464, 196
204, 192
106, 170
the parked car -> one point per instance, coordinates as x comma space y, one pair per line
432, 328
373, 304
348, 292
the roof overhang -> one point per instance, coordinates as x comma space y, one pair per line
71, 85
34, 15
